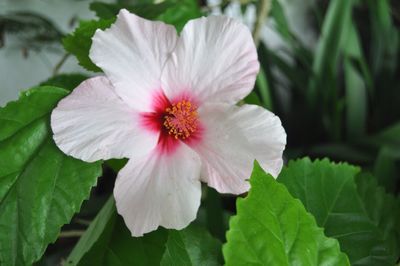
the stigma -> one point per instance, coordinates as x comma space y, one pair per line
181, 119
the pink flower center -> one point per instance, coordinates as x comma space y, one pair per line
175, 121
181, 119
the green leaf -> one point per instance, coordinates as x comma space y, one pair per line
79, 42
356, 88
272, 228
252, 98
298, 77
65, 81
385, 168
40, 187
282, 25
383, 209
105, 10
323, 93
384, 38
191, 246
180, 13
108, 242
265, 82
149, 11
329, 192
356, 101
116, 164
264, 89
172, 12
336, 22
94, 240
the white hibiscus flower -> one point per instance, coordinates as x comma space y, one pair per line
167, 103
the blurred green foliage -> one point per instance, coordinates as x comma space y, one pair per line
33, 31
337, 98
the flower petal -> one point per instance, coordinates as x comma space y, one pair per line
93, 123
265, 134
132, 53
215, 58
159, 190
226, 155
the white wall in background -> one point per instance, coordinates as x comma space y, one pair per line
19, 73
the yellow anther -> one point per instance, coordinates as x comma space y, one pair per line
181, 119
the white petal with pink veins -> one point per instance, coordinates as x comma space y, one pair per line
93, 123
159, 191
132, 53
265, 134
215, 58
226, 154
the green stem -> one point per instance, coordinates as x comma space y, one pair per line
72, 233
60, 63
262, 12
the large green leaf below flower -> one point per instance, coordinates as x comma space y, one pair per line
108, 242
329, 192
192, 246
273, 228
383, 209
40, 187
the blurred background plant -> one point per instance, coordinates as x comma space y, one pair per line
339, 98
329, 69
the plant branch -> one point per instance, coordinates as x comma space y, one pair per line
72, 233
82, 221
60, 63
264, 7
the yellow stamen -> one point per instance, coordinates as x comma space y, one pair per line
181, 119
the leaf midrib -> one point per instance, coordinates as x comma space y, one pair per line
23, 127
21, 170
15, 186
24, 166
